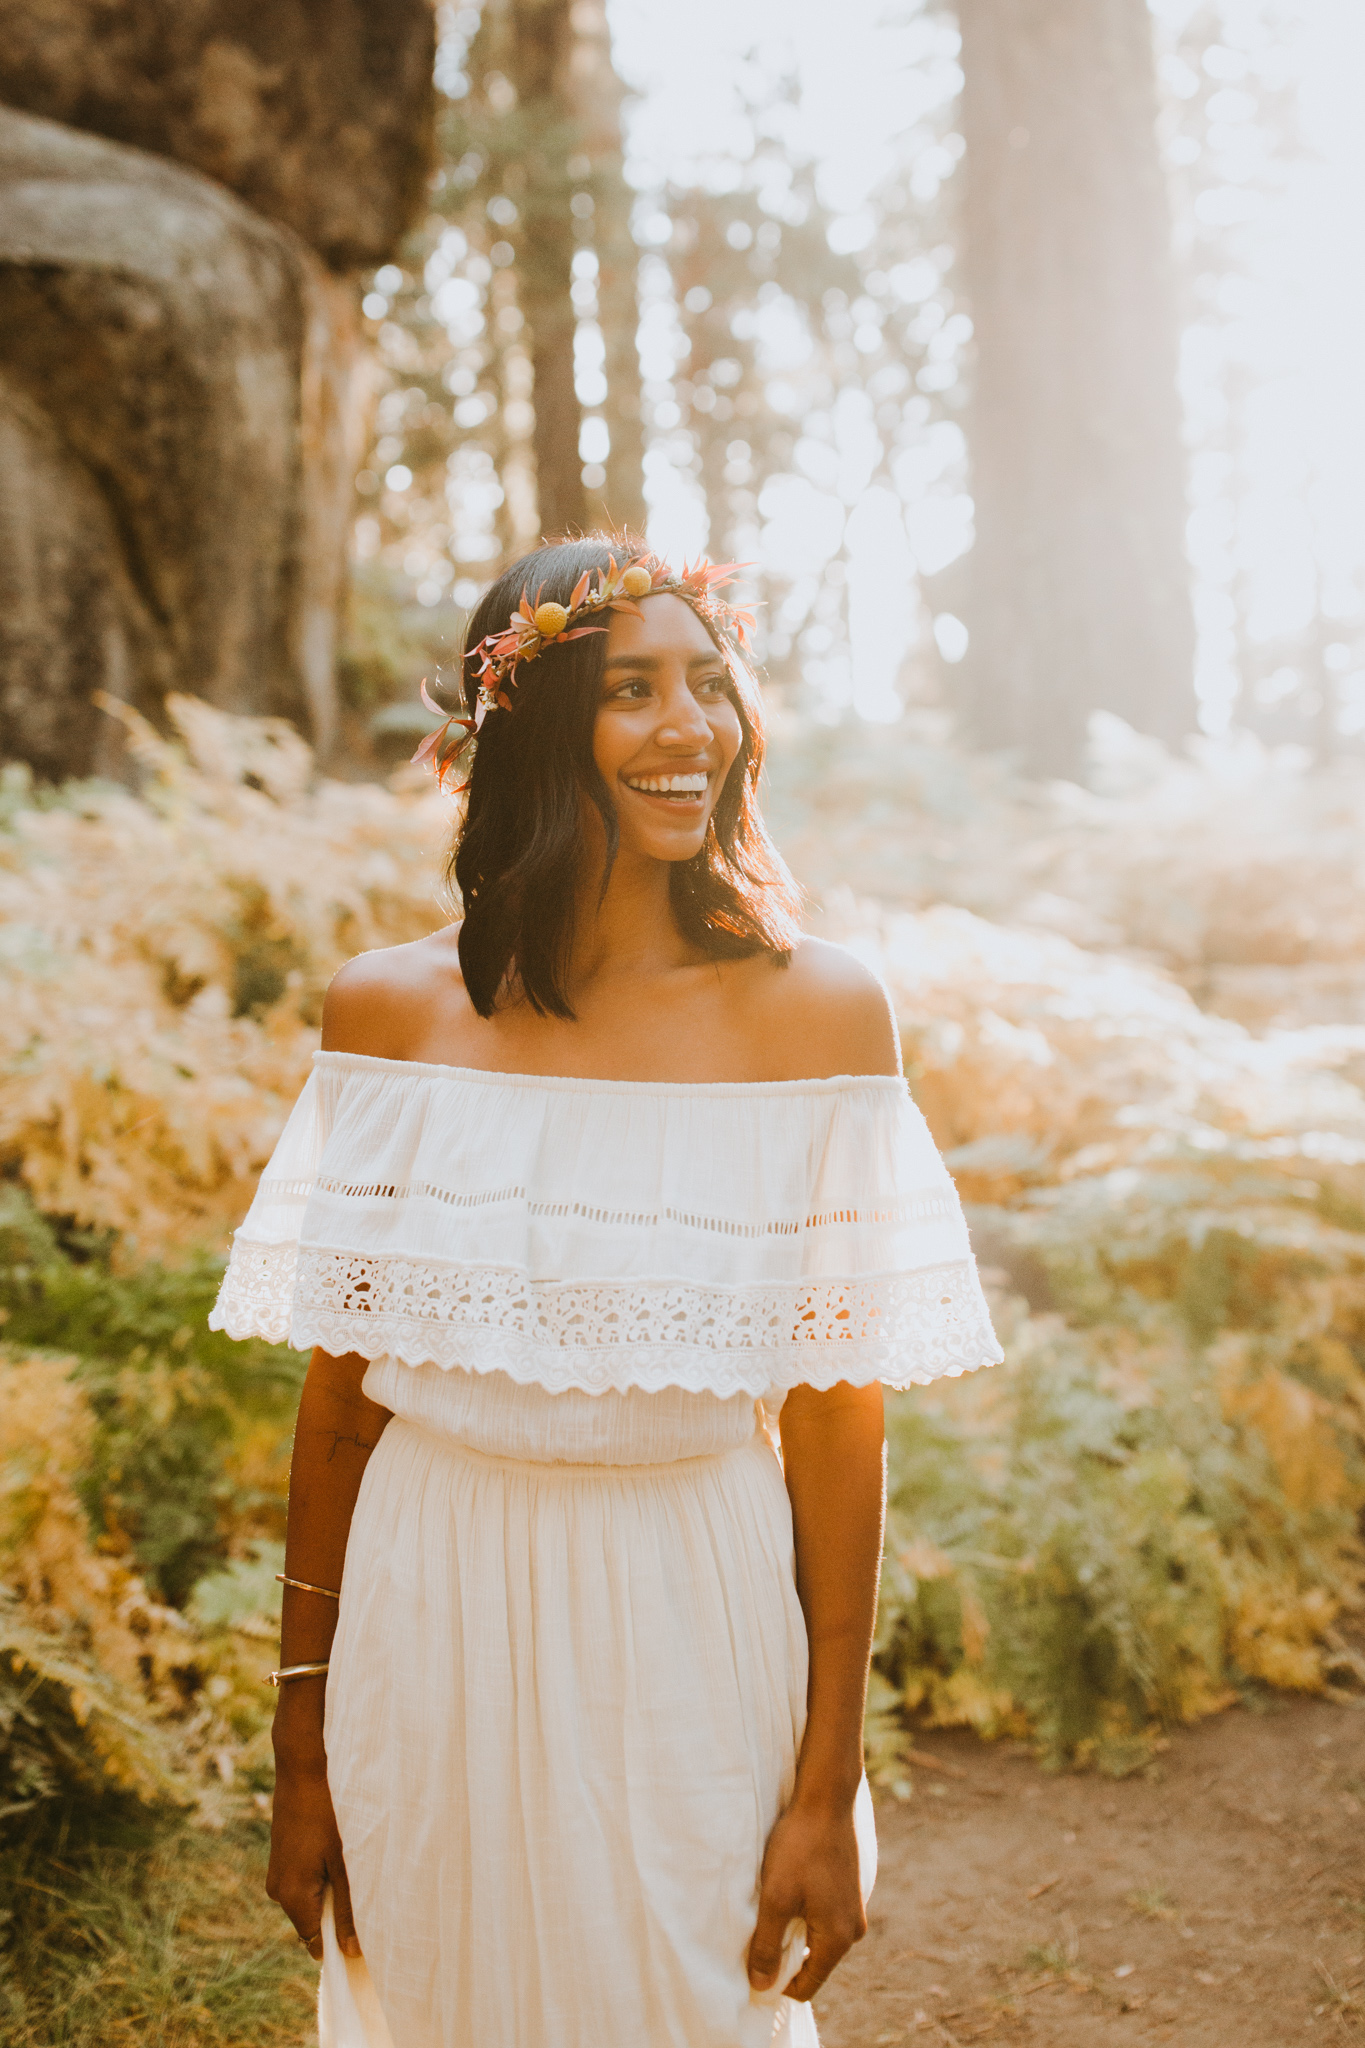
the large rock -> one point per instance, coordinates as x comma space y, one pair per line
317, 112
177, 419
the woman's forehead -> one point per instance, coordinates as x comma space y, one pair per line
664, 625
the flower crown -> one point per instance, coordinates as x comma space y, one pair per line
535, 626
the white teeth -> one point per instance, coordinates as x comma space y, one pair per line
663, 785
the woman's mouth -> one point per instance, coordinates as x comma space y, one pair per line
673, 789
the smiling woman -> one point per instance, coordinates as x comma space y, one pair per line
590, 1197
667, 730
662, 693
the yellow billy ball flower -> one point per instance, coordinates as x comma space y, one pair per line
637, 581
550, 619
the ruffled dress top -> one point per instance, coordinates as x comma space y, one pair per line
599, 1236
568, 1685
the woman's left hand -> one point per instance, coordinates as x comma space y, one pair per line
810, 1873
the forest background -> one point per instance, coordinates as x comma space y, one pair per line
1011, 346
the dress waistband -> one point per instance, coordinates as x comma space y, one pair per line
497, 1415
585, 1470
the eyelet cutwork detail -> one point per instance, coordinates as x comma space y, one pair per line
453, 1198
923, 1208
905, 1329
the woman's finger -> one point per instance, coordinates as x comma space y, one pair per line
341, 1904
302, 1900
306, 1915
775, 1915
828, 1946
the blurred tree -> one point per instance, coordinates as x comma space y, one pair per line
595, 94
535, 39
732, 262
801, 365
1240, 136
539, 128
1078, 580
489, 349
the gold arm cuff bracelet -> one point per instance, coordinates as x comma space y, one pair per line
304, 1586
277, 1678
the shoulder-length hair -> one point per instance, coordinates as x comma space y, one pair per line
520, 847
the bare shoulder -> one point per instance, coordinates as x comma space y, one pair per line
380, 1003
832, 1014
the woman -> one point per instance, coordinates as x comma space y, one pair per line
587, 1197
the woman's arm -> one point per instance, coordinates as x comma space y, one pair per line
833, 1448
336, 1431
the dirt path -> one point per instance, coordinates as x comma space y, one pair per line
1219, 1903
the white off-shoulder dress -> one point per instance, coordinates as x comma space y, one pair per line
568, 1685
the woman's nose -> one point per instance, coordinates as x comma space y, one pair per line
683, 719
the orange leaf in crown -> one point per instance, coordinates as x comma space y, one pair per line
434, 746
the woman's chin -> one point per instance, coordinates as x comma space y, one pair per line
682, 841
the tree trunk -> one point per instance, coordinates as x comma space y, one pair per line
1079, 589
623, 495
543, 125
594, 94
540, 39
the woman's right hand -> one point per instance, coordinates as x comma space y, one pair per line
305, 1855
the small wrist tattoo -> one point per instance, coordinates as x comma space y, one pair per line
338, 1440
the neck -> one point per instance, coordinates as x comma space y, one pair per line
630, 930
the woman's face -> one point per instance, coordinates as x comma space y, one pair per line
667, 731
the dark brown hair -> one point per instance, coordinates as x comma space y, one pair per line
521, 845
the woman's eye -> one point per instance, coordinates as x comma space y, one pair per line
713, 686
633, 690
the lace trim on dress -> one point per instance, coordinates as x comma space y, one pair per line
902, 1328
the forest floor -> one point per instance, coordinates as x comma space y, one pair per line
1216, 1902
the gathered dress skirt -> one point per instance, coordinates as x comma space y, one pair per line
565, 1703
